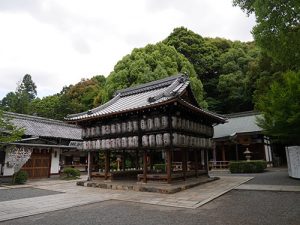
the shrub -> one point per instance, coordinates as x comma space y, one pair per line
160, 167
71, 173
255, 166
20, 177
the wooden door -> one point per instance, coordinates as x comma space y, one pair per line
38, 166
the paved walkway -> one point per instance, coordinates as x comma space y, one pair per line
76, 196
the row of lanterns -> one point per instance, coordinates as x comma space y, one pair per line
188, 125
149, 124
152, 140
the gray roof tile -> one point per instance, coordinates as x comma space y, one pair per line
237, 123
44, 127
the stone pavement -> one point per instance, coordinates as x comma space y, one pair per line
74, 195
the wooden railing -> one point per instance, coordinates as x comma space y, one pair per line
218, 164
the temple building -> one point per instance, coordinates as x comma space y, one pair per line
154, 131
239, 134
46, 147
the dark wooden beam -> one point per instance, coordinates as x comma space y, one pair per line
145, 167
107, 164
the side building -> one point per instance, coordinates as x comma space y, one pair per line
240, 133
45, 148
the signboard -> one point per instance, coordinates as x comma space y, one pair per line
76, 144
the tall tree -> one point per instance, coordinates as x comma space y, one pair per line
19, 100
280, 107
278, 28
148, 64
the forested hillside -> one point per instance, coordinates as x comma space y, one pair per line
225, 76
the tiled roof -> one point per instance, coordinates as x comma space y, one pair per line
138, 97
141, 96
238, 123
44, 127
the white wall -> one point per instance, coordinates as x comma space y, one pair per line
6, 170
55, 161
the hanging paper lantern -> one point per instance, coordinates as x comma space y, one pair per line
151, 140
113, 128
143, 124
175, 139
124, 142
129, 126
124, 127
135, 141
150, 124
130, 142
118, 128
135, 126
166, 139
118, 143
159, 140
174, 122
164, 121
113, 143
157, 123
103, 131
145, 141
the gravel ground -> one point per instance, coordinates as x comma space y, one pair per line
274, 176
19, 193
235, 207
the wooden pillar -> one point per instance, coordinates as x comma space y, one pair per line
89, 166
123, 160
151, 160
236, 152
223, 153
145, 167
184, 163
107, 164
169, 165
206, 160
196, 162
137, 162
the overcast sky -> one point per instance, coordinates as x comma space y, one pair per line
59, 42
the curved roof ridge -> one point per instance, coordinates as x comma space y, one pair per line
148, 86
171, 90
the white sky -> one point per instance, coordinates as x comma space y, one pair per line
59, 42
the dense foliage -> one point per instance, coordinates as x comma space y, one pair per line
281, 108
278, 28
151, 63
278, 34
224, 67
19, 101
225, 75
8, 132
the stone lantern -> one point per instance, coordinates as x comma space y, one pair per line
247, 154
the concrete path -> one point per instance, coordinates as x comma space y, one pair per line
265, 187
76, 196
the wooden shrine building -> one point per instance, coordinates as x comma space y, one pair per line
158, 125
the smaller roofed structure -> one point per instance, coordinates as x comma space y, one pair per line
36, 126
158, 123
238, 123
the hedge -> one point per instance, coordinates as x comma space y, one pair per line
254, 166
71, 173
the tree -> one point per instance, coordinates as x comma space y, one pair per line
28, 87
280, 107
278, 28
19, 101
8, 132
148, 64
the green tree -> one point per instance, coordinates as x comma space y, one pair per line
280, 107
148, 64
8, 132
278, 28
19, 101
